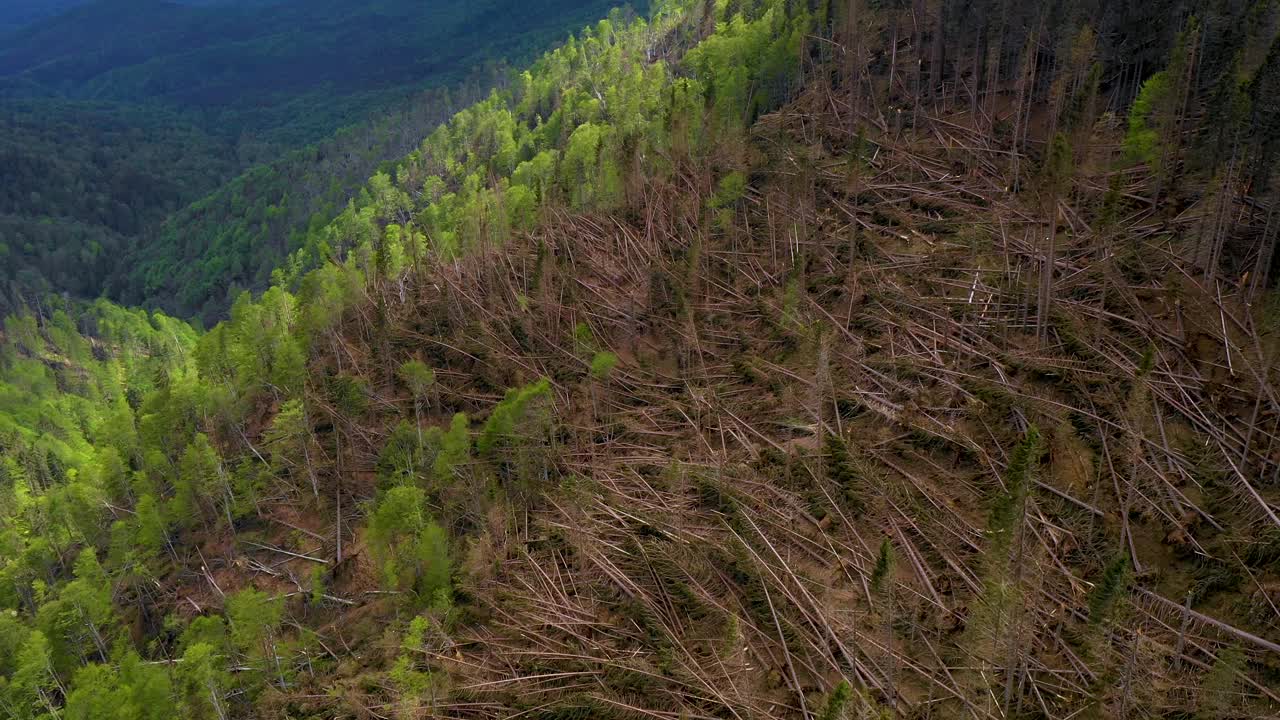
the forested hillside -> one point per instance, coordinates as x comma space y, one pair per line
107, 135
19, 13
755, 359
205, 254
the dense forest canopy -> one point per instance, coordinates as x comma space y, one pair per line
251, 67
108, 135
17, 14
740, 358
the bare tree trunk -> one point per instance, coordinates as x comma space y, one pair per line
1266, 250
1013, 661
217, 704
306, 450
337, 492
1045, 299
1025, 76
1182, 633
939, 51
975, 76
893, 69
995, 52
891, 659
853, 56
1211, 250
271, 642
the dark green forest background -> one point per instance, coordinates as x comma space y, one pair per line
175, 160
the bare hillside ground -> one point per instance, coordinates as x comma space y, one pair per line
841, 438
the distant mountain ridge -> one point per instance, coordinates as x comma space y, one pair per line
16, 15
242, 55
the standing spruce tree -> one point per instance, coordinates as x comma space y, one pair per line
254, 618
411, 548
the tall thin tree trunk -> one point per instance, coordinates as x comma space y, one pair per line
1013, 661
306, 451
853, 58
1024, 82
1045, 298
995, 53
1266, 250
893, 67
337, 524
975, 76
939, 55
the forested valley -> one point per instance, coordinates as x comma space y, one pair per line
814, 359
172, 153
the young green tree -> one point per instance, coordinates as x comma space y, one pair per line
201, 489
503, 421
1007, 530
882, 583
98, 694
254, 617
13, 636
411, 548
841, 470
151, 529
202, 683
420, 380
405, 453
112, 475
455, 449
117, 431
34, 685
1142, 143
583, 170
1057, 182
88, 601
602, 364
1110, 589
1219, 695
317, 585
264, 354
418, 686
291, 442
133, 690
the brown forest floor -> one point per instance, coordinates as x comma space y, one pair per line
684, 539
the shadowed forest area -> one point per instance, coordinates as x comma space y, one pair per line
736, 359
172, 153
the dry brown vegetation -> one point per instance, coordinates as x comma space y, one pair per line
843, 361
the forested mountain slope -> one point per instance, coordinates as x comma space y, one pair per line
18, 13
757, 360
251, 67
202, 256
118, 113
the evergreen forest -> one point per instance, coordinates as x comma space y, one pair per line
133, 132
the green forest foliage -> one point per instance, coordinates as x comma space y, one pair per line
16, 14
197, 259
121, 430
115, 422
112, 163
562, 134
78, 180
